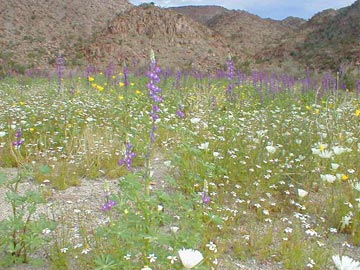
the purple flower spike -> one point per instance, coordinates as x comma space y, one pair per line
129, 157
206, 198
108, 205
180, 112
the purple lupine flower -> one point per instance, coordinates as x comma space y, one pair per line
126, 76
154, 90
60, 69
129, 156
205, 198
178, 79
107, 206
18, 139
90, 70
180, 112
109, 72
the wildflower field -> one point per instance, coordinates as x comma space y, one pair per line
256, 171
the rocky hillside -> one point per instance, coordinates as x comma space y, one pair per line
34, 32
201, 14
333, 39
329, 40
176, 40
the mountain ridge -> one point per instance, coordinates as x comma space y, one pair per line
33, 33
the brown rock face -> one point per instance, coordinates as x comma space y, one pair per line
176, 40
33, 32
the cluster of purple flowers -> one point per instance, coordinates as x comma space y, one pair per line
230, 74
108, 205
129, 156
126, 76
180, 112
205, 197
154, 90
110, 71
60, 69
18, 139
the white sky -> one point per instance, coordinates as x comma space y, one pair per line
275, 9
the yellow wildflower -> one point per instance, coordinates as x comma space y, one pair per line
100, 88
94, 85
322, 147
121, 97
357, 112
308, 107
91, 79
113, 76
121, 84
344, 177
132, 84
138, 92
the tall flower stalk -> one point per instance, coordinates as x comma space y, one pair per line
156, 98
60, 70
230, 74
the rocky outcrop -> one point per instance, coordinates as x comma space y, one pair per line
34, 32
176, 40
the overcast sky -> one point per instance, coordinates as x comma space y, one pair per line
275, 9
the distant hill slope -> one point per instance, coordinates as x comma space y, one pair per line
333, 38
201, 14
328, 40
176, 40
33, 32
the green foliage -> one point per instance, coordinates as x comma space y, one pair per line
251, 157
21, 234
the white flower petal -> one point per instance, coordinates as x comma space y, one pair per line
190, 258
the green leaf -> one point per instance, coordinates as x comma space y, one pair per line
105, 262
3, 179
45, 169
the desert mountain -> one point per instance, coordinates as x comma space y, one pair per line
201, 14
329, 40
34, 32
177, 40
247, 34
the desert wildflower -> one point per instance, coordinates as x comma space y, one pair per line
99, 88
212, 247
129, 156
152, 258
357, 112
172, 259
328, 178
302, 193
345, 263
190, 258
91, 79
270, 149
